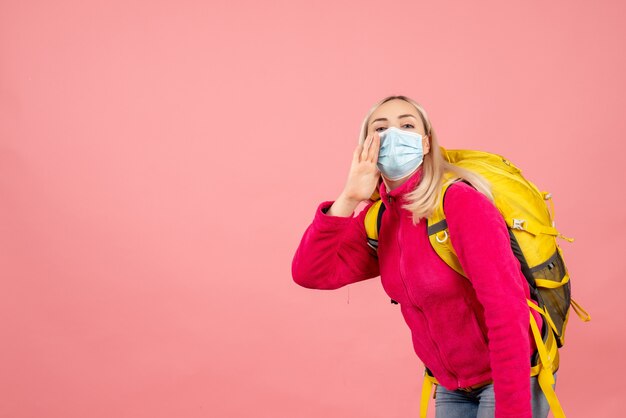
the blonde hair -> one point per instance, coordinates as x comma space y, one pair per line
423, 200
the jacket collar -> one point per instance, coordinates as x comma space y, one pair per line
399, 192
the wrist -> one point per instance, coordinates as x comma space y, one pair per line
343, 206
348, 199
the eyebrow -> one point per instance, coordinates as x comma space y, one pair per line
399, 117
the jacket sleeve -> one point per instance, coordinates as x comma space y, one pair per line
333, 251
480, 237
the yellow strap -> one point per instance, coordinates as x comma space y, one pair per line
545, 314
546, 380
539, 229
550, 322
548, 196
371, 220
580, 311
533, 228
582, 314
547, 230
551, 284
545, 376
427, 387
534, 306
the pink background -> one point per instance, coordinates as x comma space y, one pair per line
160, 160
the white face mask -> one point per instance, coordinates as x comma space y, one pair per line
400, 153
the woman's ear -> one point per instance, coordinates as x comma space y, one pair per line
426, 144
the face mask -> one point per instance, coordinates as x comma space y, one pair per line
400, 153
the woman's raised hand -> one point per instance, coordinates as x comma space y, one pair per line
362, 178
364, 174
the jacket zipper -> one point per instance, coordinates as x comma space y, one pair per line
441, 358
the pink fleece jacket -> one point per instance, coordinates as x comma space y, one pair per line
465, 331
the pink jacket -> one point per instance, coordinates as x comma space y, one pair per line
465, 331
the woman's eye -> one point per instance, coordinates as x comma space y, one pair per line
409, 126
380, 127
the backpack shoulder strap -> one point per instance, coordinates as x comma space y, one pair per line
373, 219
438, 233
436, 224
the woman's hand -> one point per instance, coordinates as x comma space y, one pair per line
364, 174
362, 178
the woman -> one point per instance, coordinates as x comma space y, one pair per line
473, 335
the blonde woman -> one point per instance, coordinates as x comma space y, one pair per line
472, 335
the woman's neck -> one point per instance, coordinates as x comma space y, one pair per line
394, 184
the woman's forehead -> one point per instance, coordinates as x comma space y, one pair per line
393, 109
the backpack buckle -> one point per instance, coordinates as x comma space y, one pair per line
518, 224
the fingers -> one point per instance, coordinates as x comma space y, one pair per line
366, 147
368, 150
374, 148
359, 150
357, 153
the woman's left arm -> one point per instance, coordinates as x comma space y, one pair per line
480, 238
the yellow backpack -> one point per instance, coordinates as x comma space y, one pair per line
533, 241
